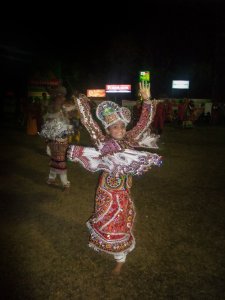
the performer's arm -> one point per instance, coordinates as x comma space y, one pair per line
82, 103
147, 113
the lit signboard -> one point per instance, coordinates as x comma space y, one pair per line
96, 93
144, 75
180, 84
52, 82
118, 88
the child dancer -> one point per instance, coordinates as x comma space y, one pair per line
112, 221
56, 131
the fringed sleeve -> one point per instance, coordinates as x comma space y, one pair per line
141, 135
127, 162
87, 120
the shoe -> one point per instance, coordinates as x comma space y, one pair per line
51, 182
66, 187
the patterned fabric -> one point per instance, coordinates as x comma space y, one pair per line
112, 222
110, 147
87, 120
119, 162
58, 155
139, 136
56, 125
109, 113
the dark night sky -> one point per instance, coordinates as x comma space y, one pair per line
112, 44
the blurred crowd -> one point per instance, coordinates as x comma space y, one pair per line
184, 114
27, 113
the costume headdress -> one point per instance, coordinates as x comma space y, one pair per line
109, 113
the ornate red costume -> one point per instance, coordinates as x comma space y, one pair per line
112, 221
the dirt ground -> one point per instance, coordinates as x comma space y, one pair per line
179, 227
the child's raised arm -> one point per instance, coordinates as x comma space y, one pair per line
147, 113
83, 106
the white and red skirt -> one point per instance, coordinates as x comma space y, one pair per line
112, 221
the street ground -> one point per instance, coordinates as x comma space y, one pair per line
179, 227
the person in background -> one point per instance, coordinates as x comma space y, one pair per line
56, 131
181, 112
74, 117
215, 113
168, 111
32, 116
159, 119
44, 103
189, 114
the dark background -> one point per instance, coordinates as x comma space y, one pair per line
89, 45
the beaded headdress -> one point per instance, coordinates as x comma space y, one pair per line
109, 113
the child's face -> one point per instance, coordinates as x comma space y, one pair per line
117, 130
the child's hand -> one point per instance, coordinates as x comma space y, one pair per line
144, 89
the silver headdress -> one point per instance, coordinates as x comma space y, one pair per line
109, 113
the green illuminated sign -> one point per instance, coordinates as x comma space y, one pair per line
144, 75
